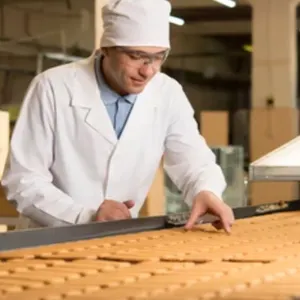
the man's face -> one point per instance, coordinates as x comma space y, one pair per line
130, 69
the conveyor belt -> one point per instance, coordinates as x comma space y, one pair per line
47, 236
151, 259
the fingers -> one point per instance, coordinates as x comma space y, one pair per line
226, 220
197, 210
129, 203
124, 210
112, 210
222, 224
107, 216
208, 203
218, 225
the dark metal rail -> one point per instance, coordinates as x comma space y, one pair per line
47, 236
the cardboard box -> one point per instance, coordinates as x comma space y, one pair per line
6, 209
4, 139
155, 204
214, 127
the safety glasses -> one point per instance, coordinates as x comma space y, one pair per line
139, 58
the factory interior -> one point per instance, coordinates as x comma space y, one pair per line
237, 61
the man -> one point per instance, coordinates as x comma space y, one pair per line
91, 134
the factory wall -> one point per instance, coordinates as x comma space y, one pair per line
28, 29
183, 57
56, 28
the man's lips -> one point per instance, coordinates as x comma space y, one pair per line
138, 81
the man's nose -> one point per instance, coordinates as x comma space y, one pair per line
147, 70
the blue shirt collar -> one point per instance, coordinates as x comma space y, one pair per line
108, 95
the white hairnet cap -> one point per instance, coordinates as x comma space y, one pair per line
136, 23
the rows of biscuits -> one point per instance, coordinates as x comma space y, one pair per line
260, 259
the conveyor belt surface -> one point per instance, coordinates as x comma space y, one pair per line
259, 260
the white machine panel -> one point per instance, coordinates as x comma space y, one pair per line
282, 164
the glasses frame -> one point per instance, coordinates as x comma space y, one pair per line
145, 58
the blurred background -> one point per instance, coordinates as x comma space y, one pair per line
236, 60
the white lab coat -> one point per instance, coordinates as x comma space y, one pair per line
65, 158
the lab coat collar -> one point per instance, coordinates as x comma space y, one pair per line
111, 96
84, 76
86, 95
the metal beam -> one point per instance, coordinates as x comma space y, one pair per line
217, 82
69, 4
214, 13
212, 27
226, 54
32, 48
17, 70
9, 2
203, 3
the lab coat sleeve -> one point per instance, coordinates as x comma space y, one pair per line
27, 179
188, 160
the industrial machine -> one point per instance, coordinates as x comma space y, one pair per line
282, 164
155, 258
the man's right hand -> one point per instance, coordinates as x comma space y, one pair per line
111, 210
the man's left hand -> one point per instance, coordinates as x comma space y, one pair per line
207, 202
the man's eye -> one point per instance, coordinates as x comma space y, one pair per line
159, 57
134, 56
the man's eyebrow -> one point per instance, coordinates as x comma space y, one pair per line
147, 53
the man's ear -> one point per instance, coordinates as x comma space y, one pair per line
104, 51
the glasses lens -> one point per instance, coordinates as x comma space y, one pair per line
139, 58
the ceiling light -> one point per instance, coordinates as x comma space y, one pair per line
229, 3
176, 21
61, 56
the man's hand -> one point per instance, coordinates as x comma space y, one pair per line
111, 210
207, 202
